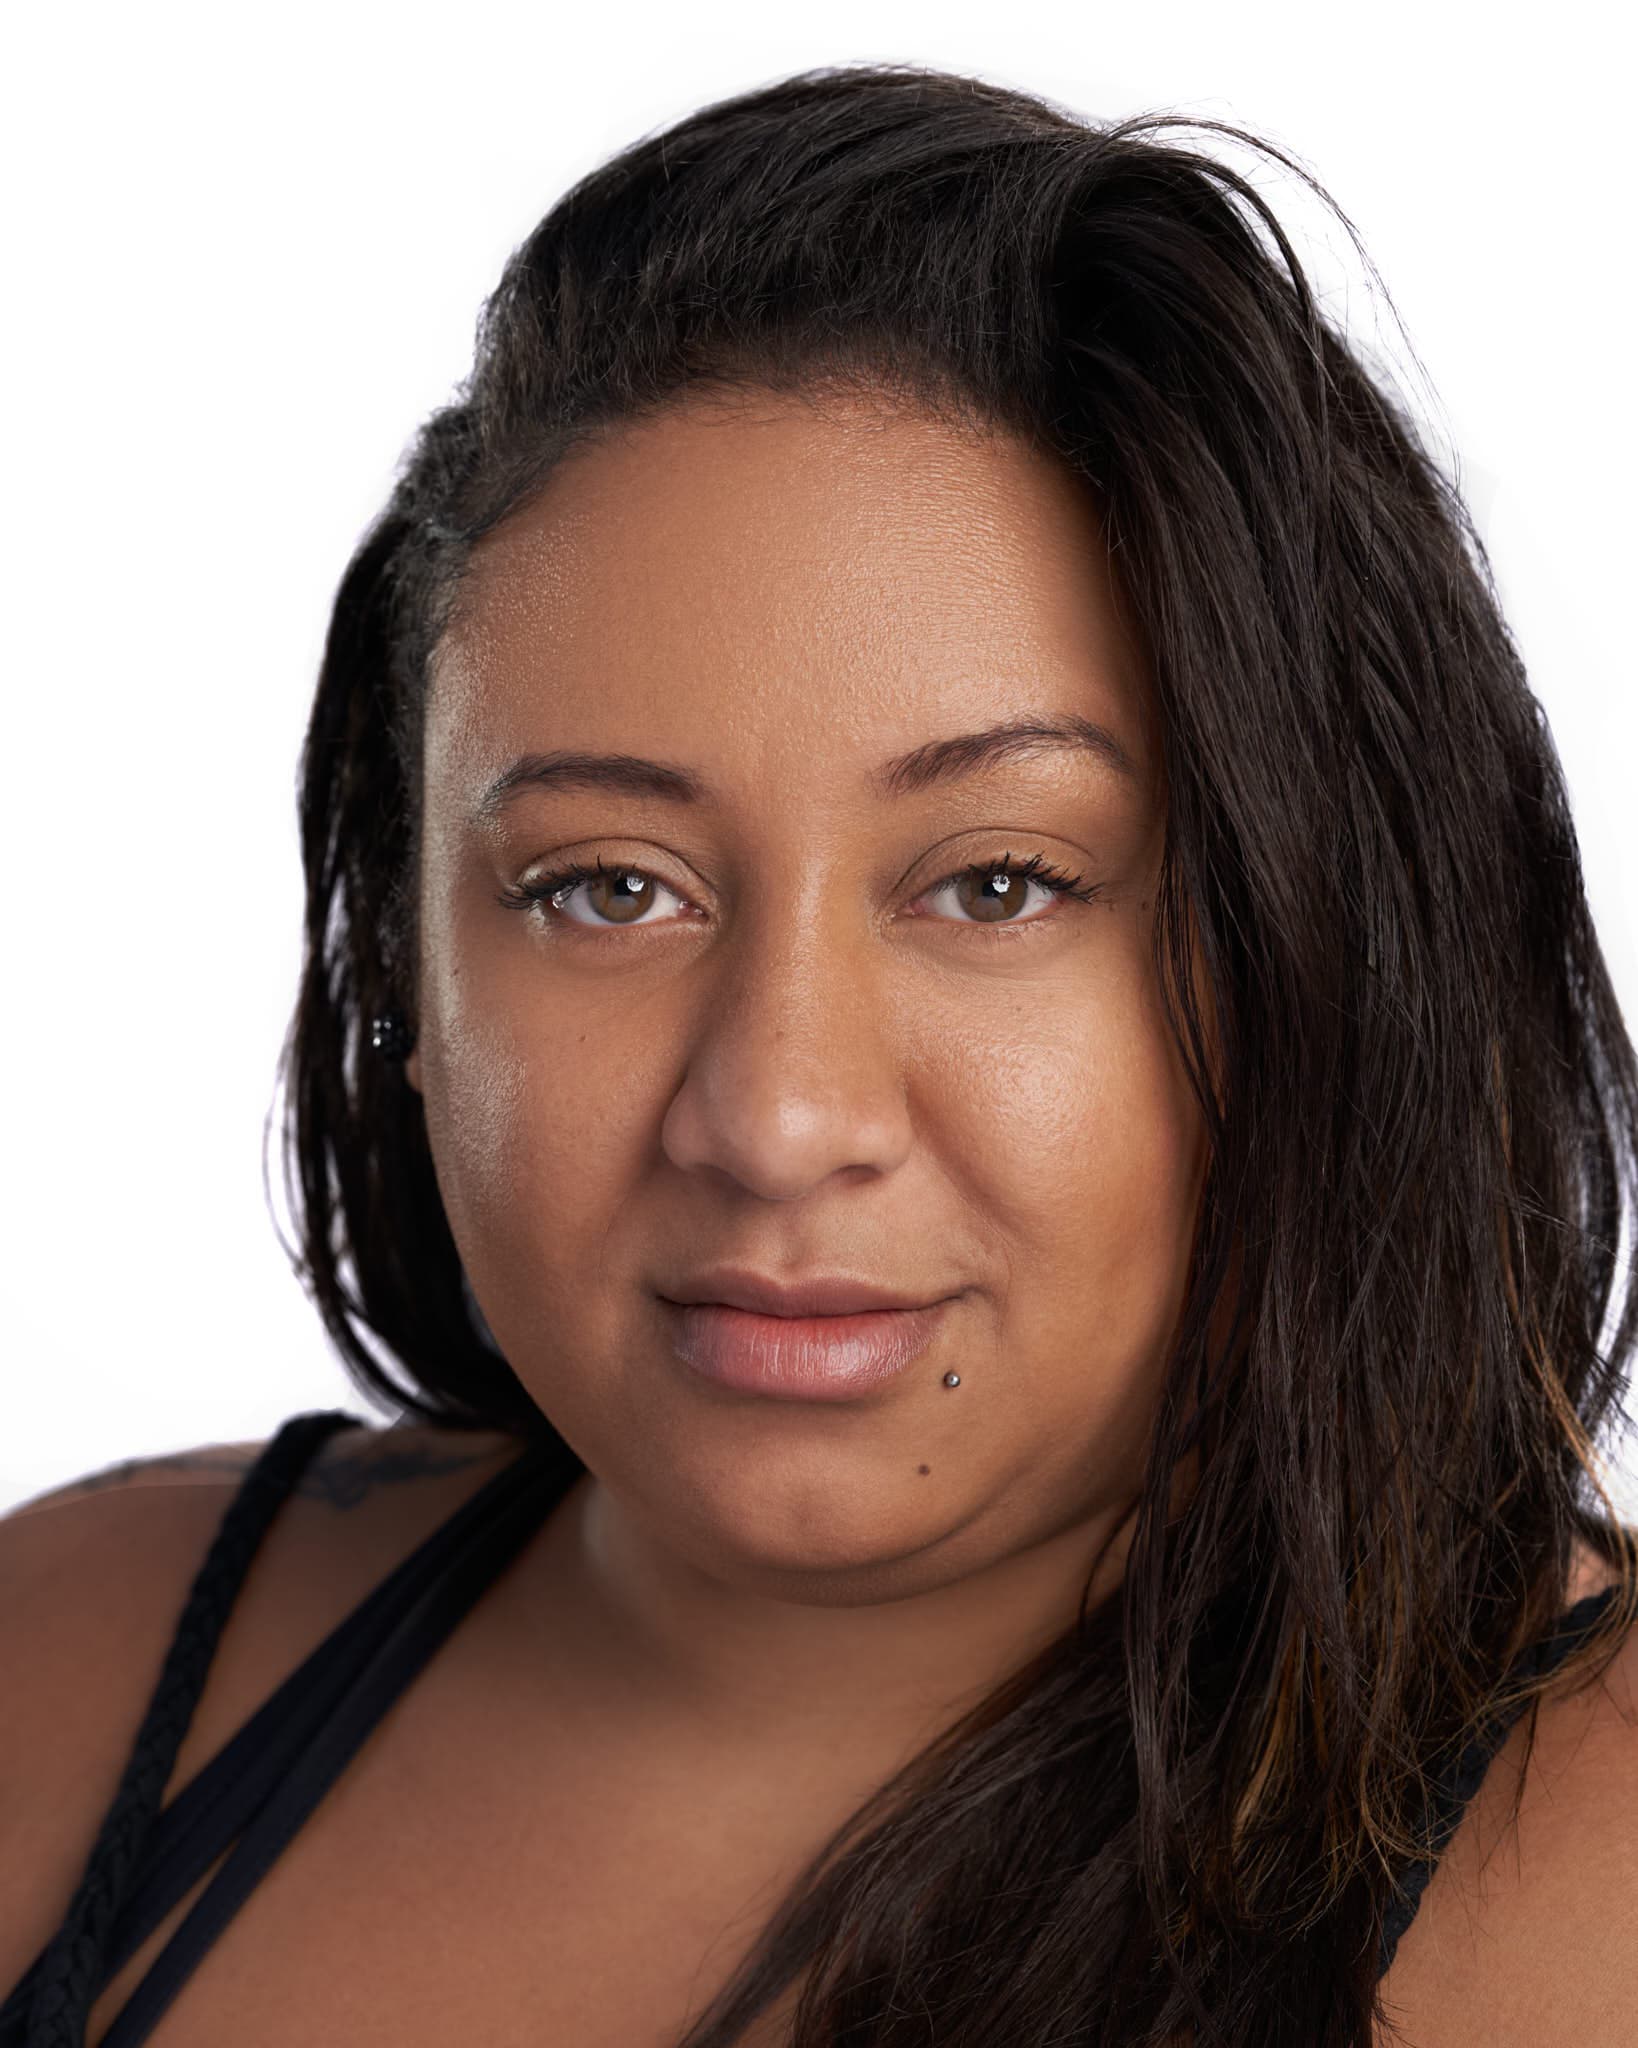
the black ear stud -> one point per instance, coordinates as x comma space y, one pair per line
391, 1036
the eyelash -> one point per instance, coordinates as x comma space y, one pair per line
523, 895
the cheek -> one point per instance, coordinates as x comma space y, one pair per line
475, 1089
481, 1076
540, 1122
1081, 1151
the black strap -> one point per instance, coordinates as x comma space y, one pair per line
1455, 1791
222, 1798
516, 1502
269, 1777
49, 2007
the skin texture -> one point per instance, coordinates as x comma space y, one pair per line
809, 1054
806, 1055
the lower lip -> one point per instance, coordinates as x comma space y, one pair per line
801, 1358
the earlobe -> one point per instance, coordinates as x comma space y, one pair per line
412, 1070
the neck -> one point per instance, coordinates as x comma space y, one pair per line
890, 1652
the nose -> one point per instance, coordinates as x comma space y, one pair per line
793, 1074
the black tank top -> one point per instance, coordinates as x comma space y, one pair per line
254, 1794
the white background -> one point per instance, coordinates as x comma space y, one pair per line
244, 256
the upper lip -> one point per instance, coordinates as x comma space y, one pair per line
819, 1295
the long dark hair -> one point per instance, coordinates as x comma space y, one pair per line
1187, 1820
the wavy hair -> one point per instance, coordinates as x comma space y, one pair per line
1189, 1819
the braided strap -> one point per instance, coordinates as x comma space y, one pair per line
69, 1969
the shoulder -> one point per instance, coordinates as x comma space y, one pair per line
350, 1465
1528, 1931
207, 1465
93, 1578
94, 1573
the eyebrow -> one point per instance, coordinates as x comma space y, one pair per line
923, 767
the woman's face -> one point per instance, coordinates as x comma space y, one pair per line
790, 1043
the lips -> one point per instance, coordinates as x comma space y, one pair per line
801, 1358
817, 1295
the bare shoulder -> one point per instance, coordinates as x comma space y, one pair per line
353, 1463
93, 1578
210, 1464
1528, 1933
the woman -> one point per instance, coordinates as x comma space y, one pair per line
953, 1059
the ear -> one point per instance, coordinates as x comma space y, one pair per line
412, 1069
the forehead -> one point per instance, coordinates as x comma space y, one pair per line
761, 581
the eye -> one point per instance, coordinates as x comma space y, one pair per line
998, 890
620, 895
995, 892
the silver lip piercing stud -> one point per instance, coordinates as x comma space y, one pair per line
952, 1379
